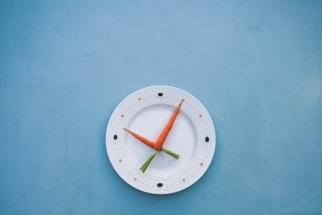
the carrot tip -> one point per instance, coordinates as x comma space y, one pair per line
181, 102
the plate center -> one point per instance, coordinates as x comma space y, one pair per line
149, 122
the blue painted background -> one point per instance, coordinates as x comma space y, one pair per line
65, 66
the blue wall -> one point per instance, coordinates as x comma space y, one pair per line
256, 66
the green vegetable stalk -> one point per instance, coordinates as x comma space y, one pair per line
175, 155
147, 163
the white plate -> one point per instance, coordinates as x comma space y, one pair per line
146, 112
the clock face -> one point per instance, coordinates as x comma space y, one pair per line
146, 112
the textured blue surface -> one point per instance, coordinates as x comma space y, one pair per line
256, 66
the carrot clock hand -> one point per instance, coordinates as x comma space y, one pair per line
167, 129
151, 144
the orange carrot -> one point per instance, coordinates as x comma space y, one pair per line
142, 139
158, 145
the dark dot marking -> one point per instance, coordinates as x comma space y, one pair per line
159, 184
160, 94
207, 139
115, 137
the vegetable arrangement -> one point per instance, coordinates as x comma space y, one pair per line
158, 145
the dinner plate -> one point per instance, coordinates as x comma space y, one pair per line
146, 112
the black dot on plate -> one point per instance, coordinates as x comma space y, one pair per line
207, 139
115, 137
160, 94
159, 184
